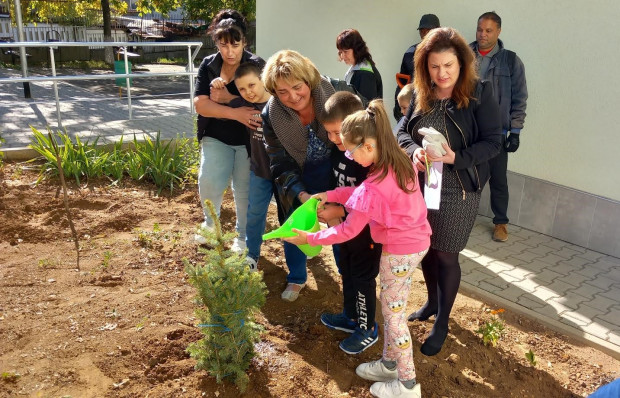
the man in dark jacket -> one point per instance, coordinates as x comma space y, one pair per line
506, 72
427, 22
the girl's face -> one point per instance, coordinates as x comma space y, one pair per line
295, 94
346, 56
364, 153
231, 52
444, 69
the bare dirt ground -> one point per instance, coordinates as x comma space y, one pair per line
119, 326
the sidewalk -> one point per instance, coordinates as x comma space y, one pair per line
566, 287
93, 108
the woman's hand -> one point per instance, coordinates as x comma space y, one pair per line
448, 158
300, 239
249, 117
218, 82
330, 211
419, 159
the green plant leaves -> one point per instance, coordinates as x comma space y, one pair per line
229, 295
165, 163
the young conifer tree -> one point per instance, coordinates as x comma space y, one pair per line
229, 295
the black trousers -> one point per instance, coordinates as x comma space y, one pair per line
498, 184
359, 267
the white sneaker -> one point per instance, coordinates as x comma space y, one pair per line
198, 238
238, 246
252, 264
376, 371
394, 388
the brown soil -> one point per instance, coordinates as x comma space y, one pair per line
120, 325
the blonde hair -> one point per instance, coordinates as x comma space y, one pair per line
374, 123
439, 40
290, 66
406, 93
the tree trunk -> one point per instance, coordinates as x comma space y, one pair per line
107, 31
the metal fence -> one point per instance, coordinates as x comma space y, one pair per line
192, 52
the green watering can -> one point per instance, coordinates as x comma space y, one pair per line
303, 218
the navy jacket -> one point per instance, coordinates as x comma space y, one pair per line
507, 75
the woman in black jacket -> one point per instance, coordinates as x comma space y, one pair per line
362, 73
297, 143
449, 98
224, 141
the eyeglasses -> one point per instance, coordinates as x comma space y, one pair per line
349, 154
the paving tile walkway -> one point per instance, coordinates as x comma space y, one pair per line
564, 286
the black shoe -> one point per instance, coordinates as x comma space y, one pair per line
432, 345
422, 314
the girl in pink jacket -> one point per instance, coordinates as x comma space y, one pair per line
389, 200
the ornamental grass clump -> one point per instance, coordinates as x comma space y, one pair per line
229, 296
166, 163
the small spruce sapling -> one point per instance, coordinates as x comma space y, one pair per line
229, 295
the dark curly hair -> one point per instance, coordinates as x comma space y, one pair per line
350, 39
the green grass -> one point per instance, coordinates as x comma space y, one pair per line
172, 61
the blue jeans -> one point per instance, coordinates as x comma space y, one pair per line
296, 262
218, 163
261, 190
317, 179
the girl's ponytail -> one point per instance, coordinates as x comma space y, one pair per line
391, 155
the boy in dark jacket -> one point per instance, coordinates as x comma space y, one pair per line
253, 94
358, 261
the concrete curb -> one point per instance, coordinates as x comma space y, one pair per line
19, 154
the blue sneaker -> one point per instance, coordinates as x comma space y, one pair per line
359, 340
338, 322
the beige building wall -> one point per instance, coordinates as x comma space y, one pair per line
572, 131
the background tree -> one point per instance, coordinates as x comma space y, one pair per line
93, 12
206, 9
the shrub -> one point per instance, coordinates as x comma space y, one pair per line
163, 163
229, 295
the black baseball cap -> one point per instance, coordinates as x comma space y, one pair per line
429, 21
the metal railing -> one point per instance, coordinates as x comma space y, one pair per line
189, 71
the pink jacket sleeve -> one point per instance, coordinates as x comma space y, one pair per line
349, 229
340, 195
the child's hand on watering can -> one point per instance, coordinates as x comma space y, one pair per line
300, 239
322, 197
